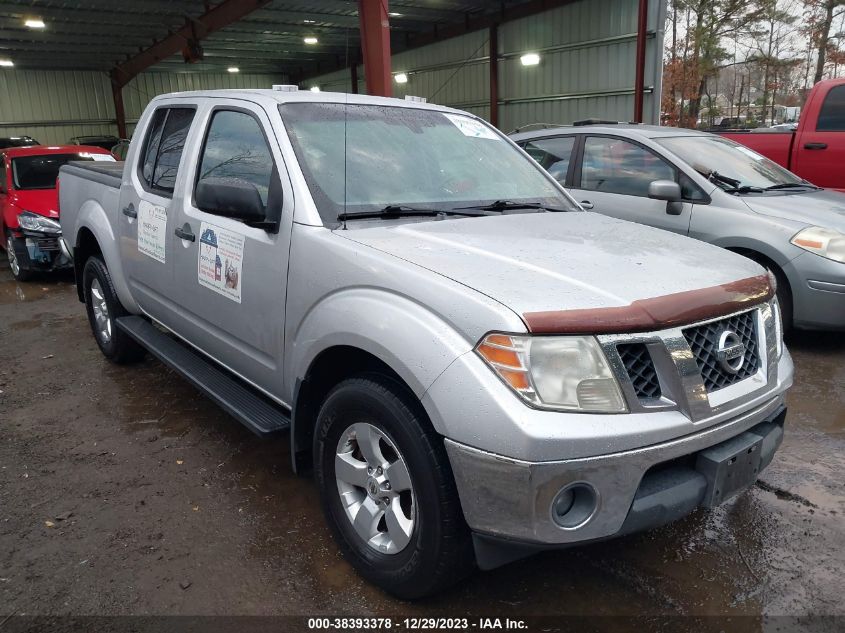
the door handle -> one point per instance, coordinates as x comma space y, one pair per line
129, 211
815, 145
587, 204
185, 233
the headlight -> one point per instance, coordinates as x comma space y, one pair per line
567, 373
776, 314
825, 242
34, 222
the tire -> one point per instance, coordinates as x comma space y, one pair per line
103, 308
18, 272
437, 550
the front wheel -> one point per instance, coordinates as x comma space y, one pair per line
18, 271
103, 309
387, 489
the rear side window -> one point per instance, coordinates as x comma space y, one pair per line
832, 114
235, 147
163, 149
553, 154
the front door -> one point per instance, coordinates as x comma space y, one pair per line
613, 178
146, 210
232, 277
821, 151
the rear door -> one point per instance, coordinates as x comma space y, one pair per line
231, 277
146, 209
612, 178
820, 152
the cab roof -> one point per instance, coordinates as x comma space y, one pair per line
304, 96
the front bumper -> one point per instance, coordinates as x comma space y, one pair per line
510, 499
40, 251
818, 292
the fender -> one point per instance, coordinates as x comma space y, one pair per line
764, 248
93, 217
366, 318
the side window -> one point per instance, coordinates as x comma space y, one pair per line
553, 154
832, 113
235, 147
151, 145
690, 190
614, 165
163, 147
170, 149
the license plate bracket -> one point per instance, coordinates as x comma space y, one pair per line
730, 467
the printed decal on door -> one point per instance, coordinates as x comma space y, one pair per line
220, 261
152, 230
471, 127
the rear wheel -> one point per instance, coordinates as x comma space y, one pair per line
18, 270
103, 309
387, 489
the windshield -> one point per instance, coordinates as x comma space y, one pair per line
397, 156
40, 172
731, 161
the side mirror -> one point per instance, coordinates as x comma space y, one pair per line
232, 198
667, 190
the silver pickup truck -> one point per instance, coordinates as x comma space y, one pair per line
474, 368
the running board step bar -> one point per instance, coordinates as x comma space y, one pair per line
253, 410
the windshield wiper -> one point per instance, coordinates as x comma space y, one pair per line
744, 189
715, 176
504, 205
398, 211
791, 185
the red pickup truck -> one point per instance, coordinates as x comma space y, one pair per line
816, 150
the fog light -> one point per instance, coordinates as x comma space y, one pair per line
574, 505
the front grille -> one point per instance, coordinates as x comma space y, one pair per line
704, 342
640, 367
47, 244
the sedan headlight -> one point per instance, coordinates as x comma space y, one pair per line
34, 222
825, 242
567, 373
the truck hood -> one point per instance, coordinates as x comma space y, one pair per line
551, 262
818, 208
41, 201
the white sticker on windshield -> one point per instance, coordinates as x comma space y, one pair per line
750, 153
471, 127
152, 230
220, 261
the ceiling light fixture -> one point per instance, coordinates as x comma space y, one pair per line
310, 40
34, 23
315, 88
309, 21
530, 59
233, 69
8, 63
401, 78
393, 14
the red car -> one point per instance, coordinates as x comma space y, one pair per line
816, 150
29, 203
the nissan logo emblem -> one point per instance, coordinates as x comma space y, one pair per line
731, 352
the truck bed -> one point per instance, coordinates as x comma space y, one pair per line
109, 173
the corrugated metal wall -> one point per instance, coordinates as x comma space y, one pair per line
54, 106
587, 66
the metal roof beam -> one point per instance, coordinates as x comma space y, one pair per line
216, 18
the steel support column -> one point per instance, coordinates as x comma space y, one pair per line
375, 45
494, 74
119, 110
639, 80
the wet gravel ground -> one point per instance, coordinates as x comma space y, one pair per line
123, 491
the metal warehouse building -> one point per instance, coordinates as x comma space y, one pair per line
84, 68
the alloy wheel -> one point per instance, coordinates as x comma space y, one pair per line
101, 312
13, 259
375, 488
